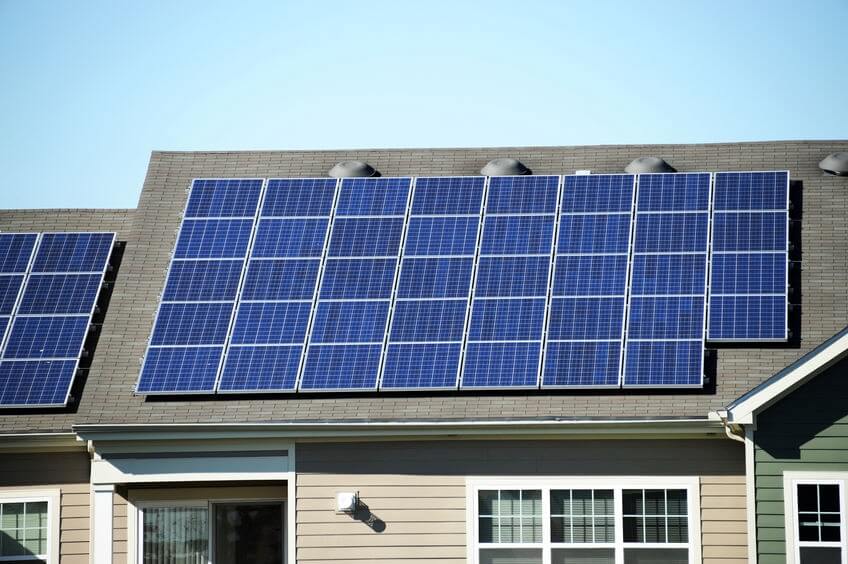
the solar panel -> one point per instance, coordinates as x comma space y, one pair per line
268, 337
504, 345
194, 317
47, 304
351, 313
749, 269
666, 322
587, 309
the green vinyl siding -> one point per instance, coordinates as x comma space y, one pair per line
805, 431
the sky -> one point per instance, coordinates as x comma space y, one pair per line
88, 89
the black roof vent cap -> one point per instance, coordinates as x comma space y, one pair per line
835, 164
648, 165
505, 166
353, 169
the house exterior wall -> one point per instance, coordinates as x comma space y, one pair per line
67, 472
805, 431
419, 490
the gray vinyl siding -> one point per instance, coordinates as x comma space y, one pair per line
418, 490
805, 431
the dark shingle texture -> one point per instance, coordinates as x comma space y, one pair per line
107, 396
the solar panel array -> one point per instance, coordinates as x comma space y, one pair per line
451, 283
49, 285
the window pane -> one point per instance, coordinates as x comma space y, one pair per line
486, 530
654, 502
249, 533
633, 529
36, 514
583, 556
807, 497
678, 529
808, 527
510, 556
581, 502
830, 527
13, 516
828, 497
509, 530
604, 529
510, 502
175, 535
632, 500
677, 502
656, 556
654, 529
604, 502
582, 529
531, 502
531, 529
820, 555
560, 529
487, 499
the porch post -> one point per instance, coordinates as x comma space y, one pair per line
101, 523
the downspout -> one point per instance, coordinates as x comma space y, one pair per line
735, 432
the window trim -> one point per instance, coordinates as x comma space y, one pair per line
52, 497
209, 503
791, 481
616, 483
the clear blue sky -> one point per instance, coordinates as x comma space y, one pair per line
90, 88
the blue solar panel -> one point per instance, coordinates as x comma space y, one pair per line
203, 280
54, 337
373, 196
192, 324
598, 193
260, 369
55, 294
290, 197
429, 321
341, 367
223, 198
36, 383
421, 366
16, 251
751, 190
669, 274
213, 238
517, 235
512, 276
749, 231
674, 192
358, 278
748, 273
350, 322
366, 237
179, 370
660, 318
448, 195
507, 320
605, 234
274, 323
501, 365
582, 364
671, 232
522, 194
277, 238
73, 252
281, 279
664, 364
10, 286
590, 275
435, 277
748, 318
586, 319
439, 236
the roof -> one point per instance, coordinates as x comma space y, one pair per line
150, 232
787, 380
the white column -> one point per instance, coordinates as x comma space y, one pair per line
101, 523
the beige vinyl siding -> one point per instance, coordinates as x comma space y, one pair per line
67, 472
418, 490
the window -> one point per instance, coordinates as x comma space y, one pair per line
26, 529
216, 532
820, 531
577, 521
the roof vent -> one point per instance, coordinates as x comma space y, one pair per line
647, 165
504, 167
835, 164
350, 169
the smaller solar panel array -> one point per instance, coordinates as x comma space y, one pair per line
467, 282
749, 275
49, 285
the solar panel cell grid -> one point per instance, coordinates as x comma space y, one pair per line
251, 368
373, 196
671, 232
748, 318
441, 236
669, 274
299, 197
262, 323
674, 192
224, 198
192, 324
358, 278
604, 193
501, 365
203, 280
180, 369
517, 235
52, 337
341, 367
429, 321
32, 383
10, 287
278, 238
507, 320
16, 251
73, 252
213, 238
664, 363
582, 364
448, 195
281, 279
435, 278
752, 191
578, 319
749, 231
604, 234
522, 194
57, 294
421, 366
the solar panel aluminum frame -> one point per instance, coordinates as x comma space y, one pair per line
179, 232
24, 277
315, 292
91, 311
704, 314
475, 271
626, 306
472, 280
785, 336
324, 259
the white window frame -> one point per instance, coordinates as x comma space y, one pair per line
209, 504
52, 497
615, 483
791, 481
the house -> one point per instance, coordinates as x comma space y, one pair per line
553, 475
